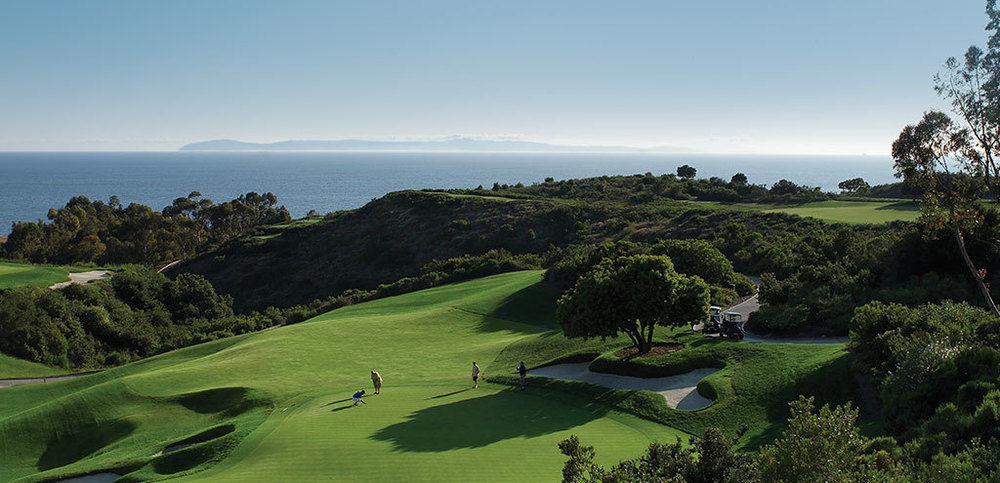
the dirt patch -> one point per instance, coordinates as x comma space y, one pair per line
658, 349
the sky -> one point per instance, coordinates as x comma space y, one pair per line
775, 76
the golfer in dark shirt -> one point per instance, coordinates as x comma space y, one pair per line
523, 371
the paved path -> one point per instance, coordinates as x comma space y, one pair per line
681, 391
82, 277
752, 305
19, 381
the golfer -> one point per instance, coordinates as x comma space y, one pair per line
377, 381
475, 375
357, 397
522, 371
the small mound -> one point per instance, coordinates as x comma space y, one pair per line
83, 441
658, 349
680, 391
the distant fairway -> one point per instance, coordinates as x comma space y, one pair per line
274, 404
838, 211
854, 211
23, 274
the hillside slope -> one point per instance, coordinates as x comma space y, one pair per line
275, 404
385, 240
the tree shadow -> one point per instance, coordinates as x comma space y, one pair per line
533, 308
481, 421
439, 396
901, 206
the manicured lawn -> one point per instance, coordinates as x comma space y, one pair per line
23, 274
838, 211
11, 367
275, 405
278, 400
855, 212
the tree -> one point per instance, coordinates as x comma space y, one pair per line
632, 295
698, 257
686, 172
940, 158
854, 185
739, 179
817, 446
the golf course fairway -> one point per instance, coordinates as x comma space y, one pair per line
276, 404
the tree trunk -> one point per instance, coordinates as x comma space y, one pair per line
975, 274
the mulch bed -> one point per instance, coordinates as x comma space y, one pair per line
658, 349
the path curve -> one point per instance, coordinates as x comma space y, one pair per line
82, 277
752, 305
681, 391
20, 381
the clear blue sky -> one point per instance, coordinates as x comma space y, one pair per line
774, 76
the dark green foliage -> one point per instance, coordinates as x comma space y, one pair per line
93, 231
936, 366
135, 314
686, 172
632, 295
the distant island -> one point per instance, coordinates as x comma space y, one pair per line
449, 144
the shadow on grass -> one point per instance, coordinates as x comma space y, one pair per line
901, 206
349, 406
439, 396
85, 440
331, 403
481, 421
534, 305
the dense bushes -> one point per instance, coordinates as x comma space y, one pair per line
937, 368
135, 314
645, 188
86, 231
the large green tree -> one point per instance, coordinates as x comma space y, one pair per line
954, 163
632, 295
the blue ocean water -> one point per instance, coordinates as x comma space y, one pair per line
31, 183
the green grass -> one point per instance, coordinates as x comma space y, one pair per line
283, 392
837, 211
23, 274
11, 367
274, 405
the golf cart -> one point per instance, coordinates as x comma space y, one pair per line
732, 325
714, 323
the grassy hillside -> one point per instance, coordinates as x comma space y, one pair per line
23, 274
275, 404
11, 367
384, 241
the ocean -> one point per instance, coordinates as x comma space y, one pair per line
31, 183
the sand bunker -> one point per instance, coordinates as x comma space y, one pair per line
680, 391
82, 277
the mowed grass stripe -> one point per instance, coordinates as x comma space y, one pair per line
423, 343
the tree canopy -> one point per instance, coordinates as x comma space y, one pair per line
686, 171
632, 295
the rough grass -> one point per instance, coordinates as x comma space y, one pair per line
23, 274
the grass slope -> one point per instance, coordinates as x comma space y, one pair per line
11, 367
23, 274
274, 404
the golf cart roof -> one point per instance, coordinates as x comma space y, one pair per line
715, 307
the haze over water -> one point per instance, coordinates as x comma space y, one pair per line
31, 183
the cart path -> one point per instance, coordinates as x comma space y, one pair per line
752, 305
20, 381
681, 391
82, 277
